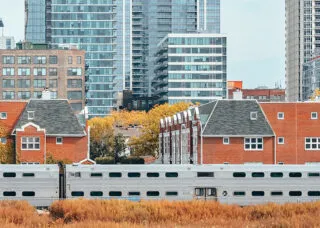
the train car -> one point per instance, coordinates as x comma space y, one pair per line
230, 184
37, 184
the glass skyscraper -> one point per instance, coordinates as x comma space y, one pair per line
119, 36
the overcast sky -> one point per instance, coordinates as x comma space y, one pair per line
255, 30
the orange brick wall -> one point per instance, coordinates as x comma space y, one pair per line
13, 109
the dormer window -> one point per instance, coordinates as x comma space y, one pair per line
3, 115
253, 115
30, 115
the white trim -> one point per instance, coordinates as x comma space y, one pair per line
279, 115
317, 143
253, 143
238, 136
278, 140
27, 143
315, 117
30, 117
31, 124
253, 115
3, 118
226, 141
59, 143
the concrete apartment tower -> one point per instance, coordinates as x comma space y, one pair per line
302, 39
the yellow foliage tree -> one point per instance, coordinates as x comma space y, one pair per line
6, 150
315, 95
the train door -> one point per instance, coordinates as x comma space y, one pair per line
205, 193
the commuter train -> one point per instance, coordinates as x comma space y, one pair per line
229, 184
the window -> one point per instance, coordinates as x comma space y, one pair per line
53, 59
7, 59
280, 140
171, 193
37, 94
53, 72
257, 193
253, 115
28, 193
77, 193
23, 71
39, 59
8, 95
205, 174
69, 59
74, 72
253, 143
24, 60
314, 115
314, 174
53, 83
295, 193
30, 143
313, 193
8, 83
115, 193
239, 193
59, 140
96, 174
9, 193
39, 71
78, 59
312, 143
280, 115
295, 174
3, 140
134, 174
28, 174
276, 174
153, 193
173, 174
3, 115
74, 95
115, 174
276, 193
226, 141
39, 83
23, 83
96, 193
134, 193
199, 191
6, 71
30, 115
74, 83
9, 174
239, 174
257, 174
152, 174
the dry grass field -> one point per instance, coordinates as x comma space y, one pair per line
113, 213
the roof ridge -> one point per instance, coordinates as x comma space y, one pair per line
214, 107
266, 118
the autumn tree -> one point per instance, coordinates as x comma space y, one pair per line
7, 149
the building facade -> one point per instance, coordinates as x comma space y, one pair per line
311, 78
302, 41
242, 132
28, 70
120, 38
43, 130
191, 68
261, 95
7, 42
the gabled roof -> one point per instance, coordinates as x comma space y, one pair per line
232, 118
55, 116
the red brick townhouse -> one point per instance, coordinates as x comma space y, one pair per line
242, 131
43, 128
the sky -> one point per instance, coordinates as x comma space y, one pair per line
255, 31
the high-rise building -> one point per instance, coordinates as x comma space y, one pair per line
6, 42
302, 40
191, 68
120, 38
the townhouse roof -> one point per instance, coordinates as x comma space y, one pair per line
233, 118
55, 116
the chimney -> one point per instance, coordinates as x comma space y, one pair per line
46, 94
237, 94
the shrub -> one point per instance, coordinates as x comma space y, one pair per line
122, 160
105, 160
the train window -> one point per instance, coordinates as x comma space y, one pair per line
115, 174
314, 193
77, 174
134, 193
199, 191
213, 192
77, 193
115, 193
134, 174
28, 193
9, 174
239, 193
239, 174
277, 193
28, 174
96, 174
295, 193
314, 174
152, 174
205, 174
153, 193
171, 193
9, 193
295, 174
257, 193
96, 193
277, 174
172, 174
257, 174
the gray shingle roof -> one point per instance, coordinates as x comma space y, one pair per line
232, 118
56, 116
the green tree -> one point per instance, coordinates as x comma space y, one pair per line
119, 146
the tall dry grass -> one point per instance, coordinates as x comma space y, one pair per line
113, 213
